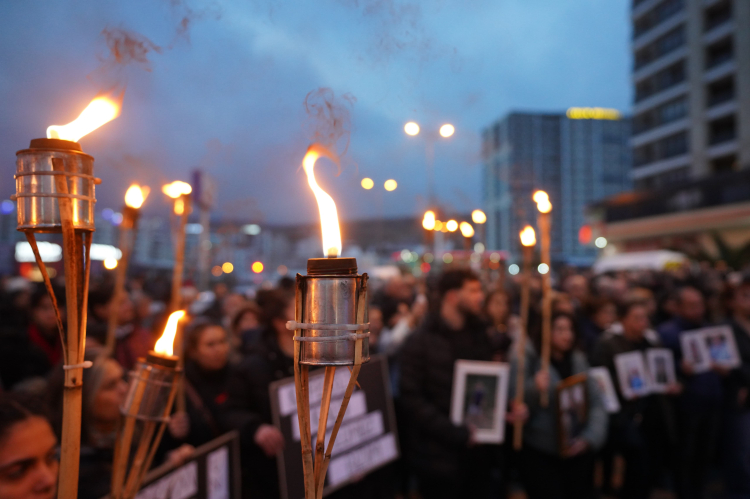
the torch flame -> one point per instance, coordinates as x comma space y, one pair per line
165, 344
329, 219
428, 222
528, 236
177, 189
101, 110
136, 195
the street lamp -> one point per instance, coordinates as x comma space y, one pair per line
390, 185
478, 217
367, 183
445, 131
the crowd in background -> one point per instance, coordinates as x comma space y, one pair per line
693, 440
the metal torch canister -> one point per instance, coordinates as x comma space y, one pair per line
149, 391
331, 295
36, 189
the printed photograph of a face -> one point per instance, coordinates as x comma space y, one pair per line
480, 401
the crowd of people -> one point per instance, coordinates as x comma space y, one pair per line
691, 438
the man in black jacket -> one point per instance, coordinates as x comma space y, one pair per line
445, 456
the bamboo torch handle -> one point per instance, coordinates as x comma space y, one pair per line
521, 351
544, 227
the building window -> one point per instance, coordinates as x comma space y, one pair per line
656, 16
665, 148
724, 164
676, 176
660, 81
722, 130
719, 52
660, 47
720, 91
717, 15
666, 113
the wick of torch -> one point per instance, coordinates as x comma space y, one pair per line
329, 219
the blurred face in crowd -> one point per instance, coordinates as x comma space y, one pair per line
212, 350
497, 307
110, 396
577, 287
28, 461
562, 338
232, 304
635, 322
470, 297
376, 324
248, 321
741, 302
605, 316
280, 324
43, 314
691, 305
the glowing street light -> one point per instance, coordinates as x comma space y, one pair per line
227, 267
428, 222
257, 267
367, 183
411, 128
466, 229
390, 185
447, 130
451, 225
478, 217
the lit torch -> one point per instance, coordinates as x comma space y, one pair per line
151, 393
544, 207
180, 192
55, 193
330, 328
135, 196
528, 241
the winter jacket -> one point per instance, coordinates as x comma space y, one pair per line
249, 406
541, 430
437, 446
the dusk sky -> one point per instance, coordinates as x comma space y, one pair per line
227, 94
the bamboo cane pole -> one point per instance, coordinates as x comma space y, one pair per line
302, 385
176, 300
70, 445
521, 344
126, 242
544, 229
362, 317
325, 405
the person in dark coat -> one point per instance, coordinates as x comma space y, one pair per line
445, 457
207, 373
736, 427
641, 431
701, 402
248, 407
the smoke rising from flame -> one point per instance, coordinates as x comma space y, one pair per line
329, 118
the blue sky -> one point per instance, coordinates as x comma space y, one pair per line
228, 95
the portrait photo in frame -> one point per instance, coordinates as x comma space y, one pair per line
660, 362
603, 380
479, 398
572, 409
632, 375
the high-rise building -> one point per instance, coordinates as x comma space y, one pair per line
577, 158
691, 58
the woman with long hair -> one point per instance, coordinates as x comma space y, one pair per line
566, 465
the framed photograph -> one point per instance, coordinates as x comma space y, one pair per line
632, 375
480, 398
722, 347
603, 381
660, 363
572, 409
695, 351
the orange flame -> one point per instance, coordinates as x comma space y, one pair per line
165, 344
329, 219
101, 110
136, 196
528, 236
541, 199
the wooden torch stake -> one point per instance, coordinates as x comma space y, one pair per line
70, 445
544, 228
120, 276
362, 317
302, 385
325, 406
521, 344
176, 302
